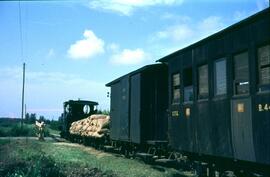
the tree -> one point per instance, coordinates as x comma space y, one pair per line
27, 118
105, 112
41, 118
33, 118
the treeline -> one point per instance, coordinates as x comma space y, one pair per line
105, 112
30, 118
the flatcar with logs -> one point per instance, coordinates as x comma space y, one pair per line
208, 102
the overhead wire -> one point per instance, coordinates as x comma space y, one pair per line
22, 59
21, 35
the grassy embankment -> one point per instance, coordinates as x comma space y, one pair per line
33, 158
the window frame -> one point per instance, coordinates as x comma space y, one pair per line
175, 87
203, 96
261, 87
215, 77
236, 81
185, 87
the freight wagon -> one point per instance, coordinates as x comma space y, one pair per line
138, 108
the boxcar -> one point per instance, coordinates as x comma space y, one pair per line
219, 93
75, 110
138, 105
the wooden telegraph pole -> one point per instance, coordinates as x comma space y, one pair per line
23, 95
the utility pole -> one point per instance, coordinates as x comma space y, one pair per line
24, 111
23, 95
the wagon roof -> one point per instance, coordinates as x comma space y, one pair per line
134, 72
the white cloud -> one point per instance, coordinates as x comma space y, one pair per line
14, 72
113, 47
210, 25
175, 33
86, 48
183, 33
126, 7
129, 57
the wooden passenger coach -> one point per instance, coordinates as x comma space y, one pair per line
219, 93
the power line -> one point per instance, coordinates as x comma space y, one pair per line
20, 28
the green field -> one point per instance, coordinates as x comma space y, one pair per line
32, 158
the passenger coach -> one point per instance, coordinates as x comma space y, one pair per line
219, 93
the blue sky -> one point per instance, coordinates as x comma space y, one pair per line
73, 48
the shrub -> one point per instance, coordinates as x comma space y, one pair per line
17, 130
2, 133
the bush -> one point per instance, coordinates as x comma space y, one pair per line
17, 130
55, 125
2, 133
37, 166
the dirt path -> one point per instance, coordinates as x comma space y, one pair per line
25, 138
87, 149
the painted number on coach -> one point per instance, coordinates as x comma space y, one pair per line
175, 113
263, 107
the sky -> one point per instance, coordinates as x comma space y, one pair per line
73, 48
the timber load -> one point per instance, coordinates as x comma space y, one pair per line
95, 126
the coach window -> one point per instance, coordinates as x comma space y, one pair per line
176, 88
241, 78
188, 87
264, 68
220, 77
203, 82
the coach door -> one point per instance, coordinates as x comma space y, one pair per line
241, 115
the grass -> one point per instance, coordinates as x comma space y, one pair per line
53, 131
33, 158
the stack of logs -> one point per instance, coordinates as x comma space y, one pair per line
95, 126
